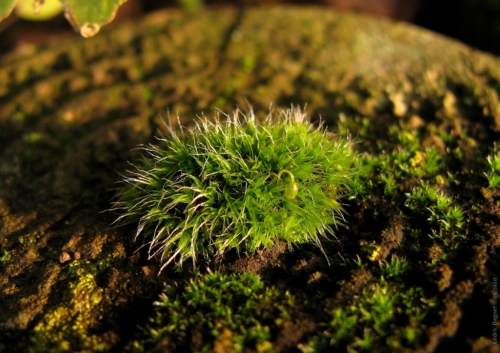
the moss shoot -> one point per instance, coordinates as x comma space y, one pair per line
237, 185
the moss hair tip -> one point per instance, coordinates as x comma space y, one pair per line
238, 184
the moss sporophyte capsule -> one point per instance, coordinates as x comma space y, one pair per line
222, 186
291, 189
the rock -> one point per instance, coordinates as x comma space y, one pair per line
426, 114
64, 257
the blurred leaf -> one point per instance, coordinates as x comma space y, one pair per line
88, 16
6, 7
190, 5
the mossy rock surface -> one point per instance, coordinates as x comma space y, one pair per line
422, 236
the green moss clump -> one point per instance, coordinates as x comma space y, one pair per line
225, 313
240, 185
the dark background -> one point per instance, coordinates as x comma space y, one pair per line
474, 22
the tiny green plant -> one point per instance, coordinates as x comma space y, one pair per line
493, 173
240, 185
384, 314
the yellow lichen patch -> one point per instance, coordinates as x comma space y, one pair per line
418, 159
375, 254
440, 180
264, 346
68, 327
223, 343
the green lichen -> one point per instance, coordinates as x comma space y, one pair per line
219, 187
5, 256
217, 312
69, 327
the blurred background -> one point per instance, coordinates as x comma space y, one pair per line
474, 22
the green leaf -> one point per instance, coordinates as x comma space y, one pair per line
87, 17
6, 7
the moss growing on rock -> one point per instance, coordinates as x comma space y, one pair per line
217, 312
423, 110
383, 317
240, 185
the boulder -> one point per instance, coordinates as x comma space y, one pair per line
412, 268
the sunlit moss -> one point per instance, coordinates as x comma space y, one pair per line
232, 313
383, 316
220, 187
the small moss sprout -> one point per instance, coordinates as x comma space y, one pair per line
239, 184
493, 173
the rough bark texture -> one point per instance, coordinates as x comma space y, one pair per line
72, 113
